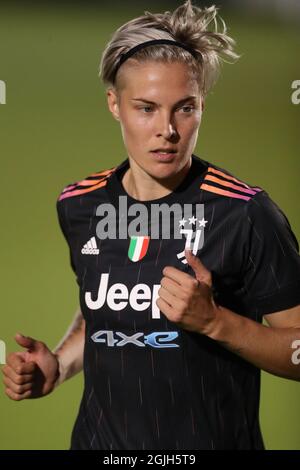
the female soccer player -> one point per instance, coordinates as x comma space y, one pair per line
177, 262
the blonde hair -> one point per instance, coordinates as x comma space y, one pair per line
187, 24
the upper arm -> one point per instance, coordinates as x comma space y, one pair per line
271, 263
289, 318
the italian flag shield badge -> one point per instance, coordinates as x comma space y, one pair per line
138, 247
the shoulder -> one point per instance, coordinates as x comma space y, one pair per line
224, 184
265, 217
250, 206
86, 185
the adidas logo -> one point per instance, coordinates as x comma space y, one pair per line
90, 248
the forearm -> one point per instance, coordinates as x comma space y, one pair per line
69, 351
268, 348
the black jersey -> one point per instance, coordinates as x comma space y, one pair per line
148, 383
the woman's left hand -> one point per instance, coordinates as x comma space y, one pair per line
188, 300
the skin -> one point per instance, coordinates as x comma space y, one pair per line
146, 126
184, 299
35, 372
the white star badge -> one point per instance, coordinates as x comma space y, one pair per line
192, 220
202, 222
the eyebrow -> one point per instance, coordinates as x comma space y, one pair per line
183, 100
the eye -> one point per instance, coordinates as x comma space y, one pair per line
146, 109
187, 108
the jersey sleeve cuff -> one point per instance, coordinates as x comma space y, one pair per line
287, 297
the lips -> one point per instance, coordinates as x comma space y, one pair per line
164, 150
163, 155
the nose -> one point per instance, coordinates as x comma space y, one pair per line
166, 127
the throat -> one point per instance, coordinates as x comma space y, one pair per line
143, 187
143, 191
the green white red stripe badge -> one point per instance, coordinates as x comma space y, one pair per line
138, 247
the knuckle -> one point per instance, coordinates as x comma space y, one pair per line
189, 290
11, 395
180, 311
193, 284
185, 295
177, 317
31, 368
11, 357
19, 380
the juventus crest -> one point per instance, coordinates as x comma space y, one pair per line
194, 236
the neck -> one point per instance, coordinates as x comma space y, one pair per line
143, 187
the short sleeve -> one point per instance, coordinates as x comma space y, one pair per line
61, 214
271, 261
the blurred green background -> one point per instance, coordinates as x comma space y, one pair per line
55, 129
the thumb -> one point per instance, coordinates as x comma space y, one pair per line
27, 342
201, 272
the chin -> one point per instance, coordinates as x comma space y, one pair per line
164, 171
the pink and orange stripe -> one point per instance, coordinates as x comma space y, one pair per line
231, 187
91, 183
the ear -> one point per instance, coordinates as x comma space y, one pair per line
202, 104
113, 103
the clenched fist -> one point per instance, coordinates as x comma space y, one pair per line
31, 373
188, 300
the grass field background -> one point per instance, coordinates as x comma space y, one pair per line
55, 129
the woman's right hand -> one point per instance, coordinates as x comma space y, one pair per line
32, 373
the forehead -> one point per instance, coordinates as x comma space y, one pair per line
152, 79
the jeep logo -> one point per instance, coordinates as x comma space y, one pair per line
117, 297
